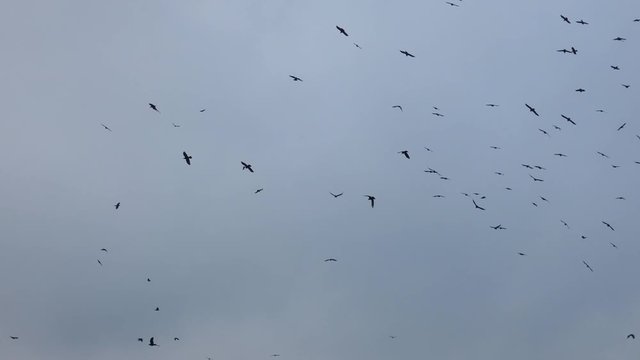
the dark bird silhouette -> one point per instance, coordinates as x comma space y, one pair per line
565, 224
175, 339
539, 167
203, 110
582, 22
532, 109
583, 237
620, 198
99, 262
431, 171
405, 153
568, 119
557, 127
371, 198
336, 195
157, 309
452, 4
495, 147
636, 20
476, 205
397, 107
544, 199
498, 173
153, 107
498, 227
187, 158
406, 53
560, 154
13, 337
148, 280
587, 265
491, 105
608, 225
619, 39
534, 204
626, 86
358, 46
566, 19
508, 188
522, 254
246, 166
275, 355
600, 110
117, 206
140, 339
580, 90
103, 249
437, 114
574, 51
105, 126
330, 259
631, 336
534, 178
544, 132
602, 154
444, 178
175, 125
342, 31
426, 148
259, 190
615, 166
527, 166
392, 336
564, 51
295, 78
613, 245
622, 126
151, 342
615, 67
438, 196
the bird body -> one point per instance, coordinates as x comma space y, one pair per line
330, 259
533, 110
371, 198
342, 31
405, 153
406, 53
152, 343
246, 166
295, 78
397, 107
153, 107
187, 157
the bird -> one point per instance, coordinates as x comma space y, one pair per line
175, 339
438, 196
544, 199
600, 110
535, 178
432, 171
560, 154
187, 158
406, 53
613, 245
580, 90
437, 114
582, 22
508, 188
148, 280
246, 166
583, 237
539, 167
565, 224
636, 20
622, 126
564, 51
151, 342
397, 107
153, 107
203, 110
476, 205
495, 147
157, 309
602, 154
615, 67
574, 51
498, 227
631, 336
103, 249
620, 198
565, 19
358, 46
568, 119
342, 31
295, 78
608, 225
544, 132
426, 148
99, 262
452, 4
336, 195
626, 86
491, 105
527, 166
587, 265
259, 190
175, 125
534, 204
117, 206
140, 339
557, 127
371, 198
405, 153
330, 259
522, 254
444, 178
392, 336
498, 173
619, 39
13, 337
532, 109
275, 355
105, 126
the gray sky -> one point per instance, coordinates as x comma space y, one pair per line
239, 275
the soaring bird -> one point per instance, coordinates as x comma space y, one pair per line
371, 198
527, 166
358, 46
544, 132
602, 154
574, 51
438, 196
432, 171
581, 90
636, 20
175, 125
157, 309
405, 153
392, 336
452, 4
522, 254
564, 51
437, 114
203, 110
534, 178
620, 198
476, 205
615, 67
397, 107
153, 107
565, 224
557, 127
568, 119
587, 265
117, 206
140, 339
621, 126
560, 154
498, 227
626, 86
631, 336
534, 204
491, 105
342, 31
582, 22
539, 167
152, 343
495, 147
544, 199
105, 126
246, 166
295, 78
613, 245
148, 280
187, 158
608, 225
532, 109
13, 337
498, 173
406, 53
426, 148
105, 250
336, 195
99, 262
619, 39
330, 259
259, 190
175, 339
566, 19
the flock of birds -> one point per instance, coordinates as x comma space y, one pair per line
476, 199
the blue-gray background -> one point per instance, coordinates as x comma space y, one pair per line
239, 275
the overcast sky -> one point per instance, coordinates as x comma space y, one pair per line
239, 275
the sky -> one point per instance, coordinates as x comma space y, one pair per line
240, 275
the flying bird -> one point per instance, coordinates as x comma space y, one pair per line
498, 227
613, 245
476, 205
522, 254
157, 309
544, 199
560, 154
582, 22
581, 90
187, 158
491, 105
564, 51
356, 45
615, 67
532, 109
626, 86
259, 190
371, 198
495, 147
153, 107
602, 154
140, 339
539, 167
568, 119
438, 196
566, 19
103, 249
175, 125
148, 280
620, 198
13, 337
527, 166
175, 339
544, 132
117, 206
565, 224
406, 53
574, 51
498, 173
608, 225
397, 107
534, 178
295, 78
405, 153
246, 166
437, 114
330, 259
105, 126
619, 39
622, 126
557, 127
99, 262
151, 342
336, 195
203, 110
342, 31
631, 336
452, 4
587, 265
